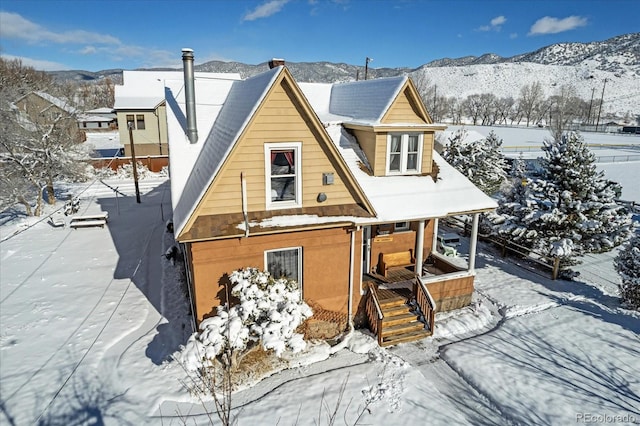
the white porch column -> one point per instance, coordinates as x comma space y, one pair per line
419, 248
473, 243
434, 243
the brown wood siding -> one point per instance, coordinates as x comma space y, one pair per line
325, 265
278, 120
451, 294
380, 168
399, 241
403, 110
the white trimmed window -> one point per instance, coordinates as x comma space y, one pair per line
283, 175
401, 226
285, 262
404, 153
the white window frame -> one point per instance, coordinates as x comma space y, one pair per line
402, 228
299, 249
297, 149
404, 144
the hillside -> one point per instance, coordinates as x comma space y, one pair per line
583, 65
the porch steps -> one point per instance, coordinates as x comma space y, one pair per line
400, 325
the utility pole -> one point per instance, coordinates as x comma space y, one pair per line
601, 102
593, 90
133, 161
435, 92
366, 67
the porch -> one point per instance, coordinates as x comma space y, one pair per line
401, 304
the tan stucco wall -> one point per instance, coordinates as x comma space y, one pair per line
146, 141
325, 266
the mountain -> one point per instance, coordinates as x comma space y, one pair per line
586, 66
619, 54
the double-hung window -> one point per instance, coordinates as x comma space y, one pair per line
285, 263
404, 153
283, 175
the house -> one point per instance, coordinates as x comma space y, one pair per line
41, 107
98, 120
140, 104
335, 185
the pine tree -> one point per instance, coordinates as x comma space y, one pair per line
481, 161
567, 212
628, 266
586, 198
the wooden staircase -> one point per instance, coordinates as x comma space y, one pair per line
398, 323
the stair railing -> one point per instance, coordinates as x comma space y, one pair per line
374, 312
425, 302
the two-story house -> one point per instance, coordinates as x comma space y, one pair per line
140, 105
335, 185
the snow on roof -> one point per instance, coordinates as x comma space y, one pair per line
57, 102
145, 89
224, 108
95, 118
197, 170
103, 110
402, 198
365, 100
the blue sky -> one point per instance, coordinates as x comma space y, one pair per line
97, 35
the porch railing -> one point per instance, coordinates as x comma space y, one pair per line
374, 313
425, 302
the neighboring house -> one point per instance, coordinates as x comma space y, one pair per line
97, 120
335, 185
41, 107
140, 103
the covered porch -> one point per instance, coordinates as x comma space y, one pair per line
402, 298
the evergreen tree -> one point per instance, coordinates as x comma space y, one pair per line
567, 212
481, 161
628, 266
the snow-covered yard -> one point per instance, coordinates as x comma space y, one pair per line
90, 318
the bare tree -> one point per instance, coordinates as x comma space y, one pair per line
40, 148
531, 97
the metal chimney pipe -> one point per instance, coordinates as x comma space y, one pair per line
190, 94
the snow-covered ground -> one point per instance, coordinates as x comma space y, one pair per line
90, 318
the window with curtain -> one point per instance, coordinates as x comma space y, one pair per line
285, 263
404, 153
283, 175
131, 121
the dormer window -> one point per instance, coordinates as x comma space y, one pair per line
283, 178
404, 153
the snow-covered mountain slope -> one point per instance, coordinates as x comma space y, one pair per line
621, 93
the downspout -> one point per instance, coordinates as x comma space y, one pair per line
245, 215
190, 94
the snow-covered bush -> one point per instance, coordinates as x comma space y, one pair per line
125, 171
269, 312
628, 266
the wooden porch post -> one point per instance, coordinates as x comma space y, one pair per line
419, 248
474, 241
434, 243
